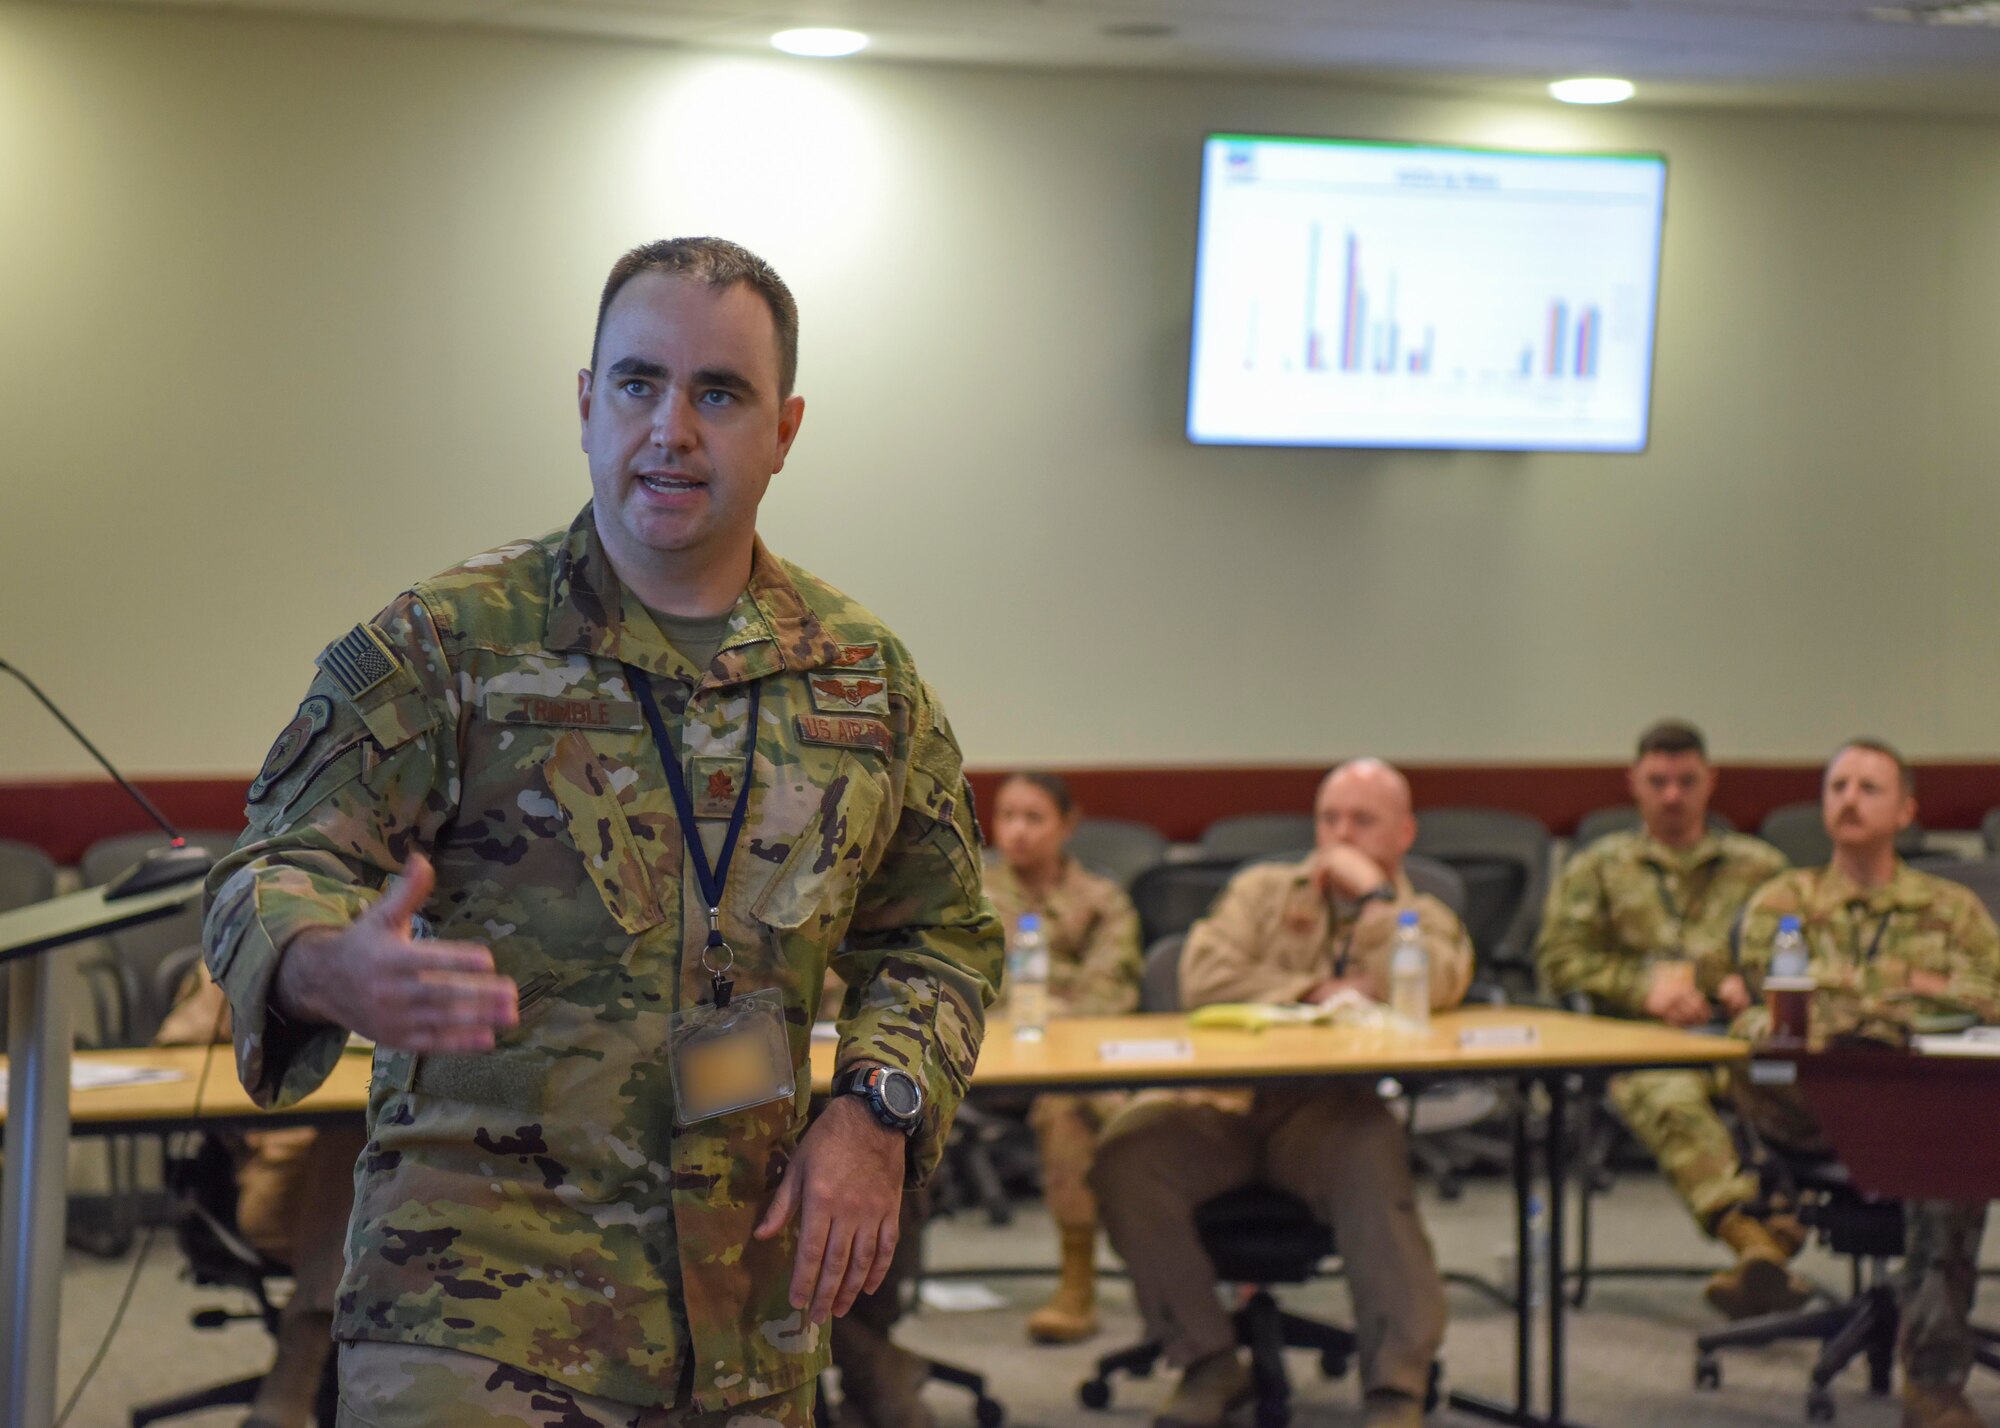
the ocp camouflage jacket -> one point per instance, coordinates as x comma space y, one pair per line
538, 1205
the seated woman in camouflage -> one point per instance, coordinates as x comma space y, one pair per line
1093, 935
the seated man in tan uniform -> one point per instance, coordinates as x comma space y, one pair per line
1288, 933
1641, 922
1886, 944
295, 1188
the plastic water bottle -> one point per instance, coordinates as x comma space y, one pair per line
1410, 975
1788, 950
1028, 979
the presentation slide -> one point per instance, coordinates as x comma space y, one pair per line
1405, 295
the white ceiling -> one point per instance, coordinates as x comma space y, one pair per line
1816, 53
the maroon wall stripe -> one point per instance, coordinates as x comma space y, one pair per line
65, 816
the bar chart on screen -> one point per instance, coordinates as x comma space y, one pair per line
1403, 295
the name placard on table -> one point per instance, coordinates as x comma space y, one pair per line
1150, 1049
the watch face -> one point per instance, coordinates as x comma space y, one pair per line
899, 1095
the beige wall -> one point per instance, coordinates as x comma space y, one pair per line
293, 310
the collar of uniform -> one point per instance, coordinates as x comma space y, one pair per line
592, 611
1705, 849
772, 627
1905, 889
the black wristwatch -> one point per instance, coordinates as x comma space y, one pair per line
895, 1097
1385, 893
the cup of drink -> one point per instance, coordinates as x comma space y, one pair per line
1789, 1000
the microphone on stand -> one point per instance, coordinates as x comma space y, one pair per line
179, 862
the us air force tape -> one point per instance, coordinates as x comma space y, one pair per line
358, 661
292, 741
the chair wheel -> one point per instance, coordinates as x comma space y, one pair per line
1333, 1365
1707, 1372
1819, 1406
1094, 1393
1434, 1388
989, 1413
1144, 1370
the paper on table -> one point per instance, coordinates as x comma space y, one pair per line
1965, 1043
99, 1075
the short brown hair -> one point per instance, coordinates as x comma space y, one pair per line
721, 264
1904, 773
1672, 736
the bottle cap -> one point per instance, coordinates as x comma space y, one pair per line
1788, 923
1407, 918
1031, 922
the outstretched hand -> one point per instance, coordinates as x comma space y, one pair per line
403, 992
846, 1185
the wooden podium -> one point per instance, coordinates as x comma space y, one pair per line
33, 1188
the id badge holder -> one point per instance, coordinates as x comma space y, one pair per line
729, 1054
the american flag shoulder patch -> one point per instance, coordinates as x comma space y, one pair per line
358, 661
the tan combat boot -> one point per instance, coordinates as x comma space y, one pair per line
1210, 1390
880, 1383
1072, 1314
1388, 1408
1761, 1281
1927, 1407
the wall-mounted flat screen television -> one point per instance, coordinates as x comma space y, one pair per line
1351, 293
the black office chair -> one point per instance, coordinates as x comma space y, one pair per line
1117, 848
1867, 1230
1257, 1236
139, 950
1624, 818
1504, 859
1989, 831
1798, 830
27, 876
1172, 897
1246, 836
205, 1227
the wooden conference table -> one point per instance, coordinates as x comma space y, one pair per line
1529, 1045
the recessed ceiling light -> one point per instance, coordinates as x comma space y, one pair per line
817, 43
1597, 90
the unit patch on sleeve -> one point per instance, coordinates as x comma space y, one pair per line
715, 784
291, 742
358, 661
849, 694
845, 733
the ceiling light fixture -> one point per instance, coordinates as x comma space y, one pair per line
819, 43
1963, 12
1596, 90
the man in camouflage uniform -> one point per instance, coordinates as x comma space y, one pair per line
1293, 932
1885, 944
537, 1236
1641, 922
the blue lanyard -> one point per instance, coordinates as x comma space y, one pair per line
709, 879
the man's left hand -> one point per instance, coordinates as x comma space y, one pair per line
1929, 984
846, 1185
1734, 994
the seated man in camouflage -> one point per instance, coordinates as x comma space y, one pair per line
1640, 922
1885, 944
1293, 932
